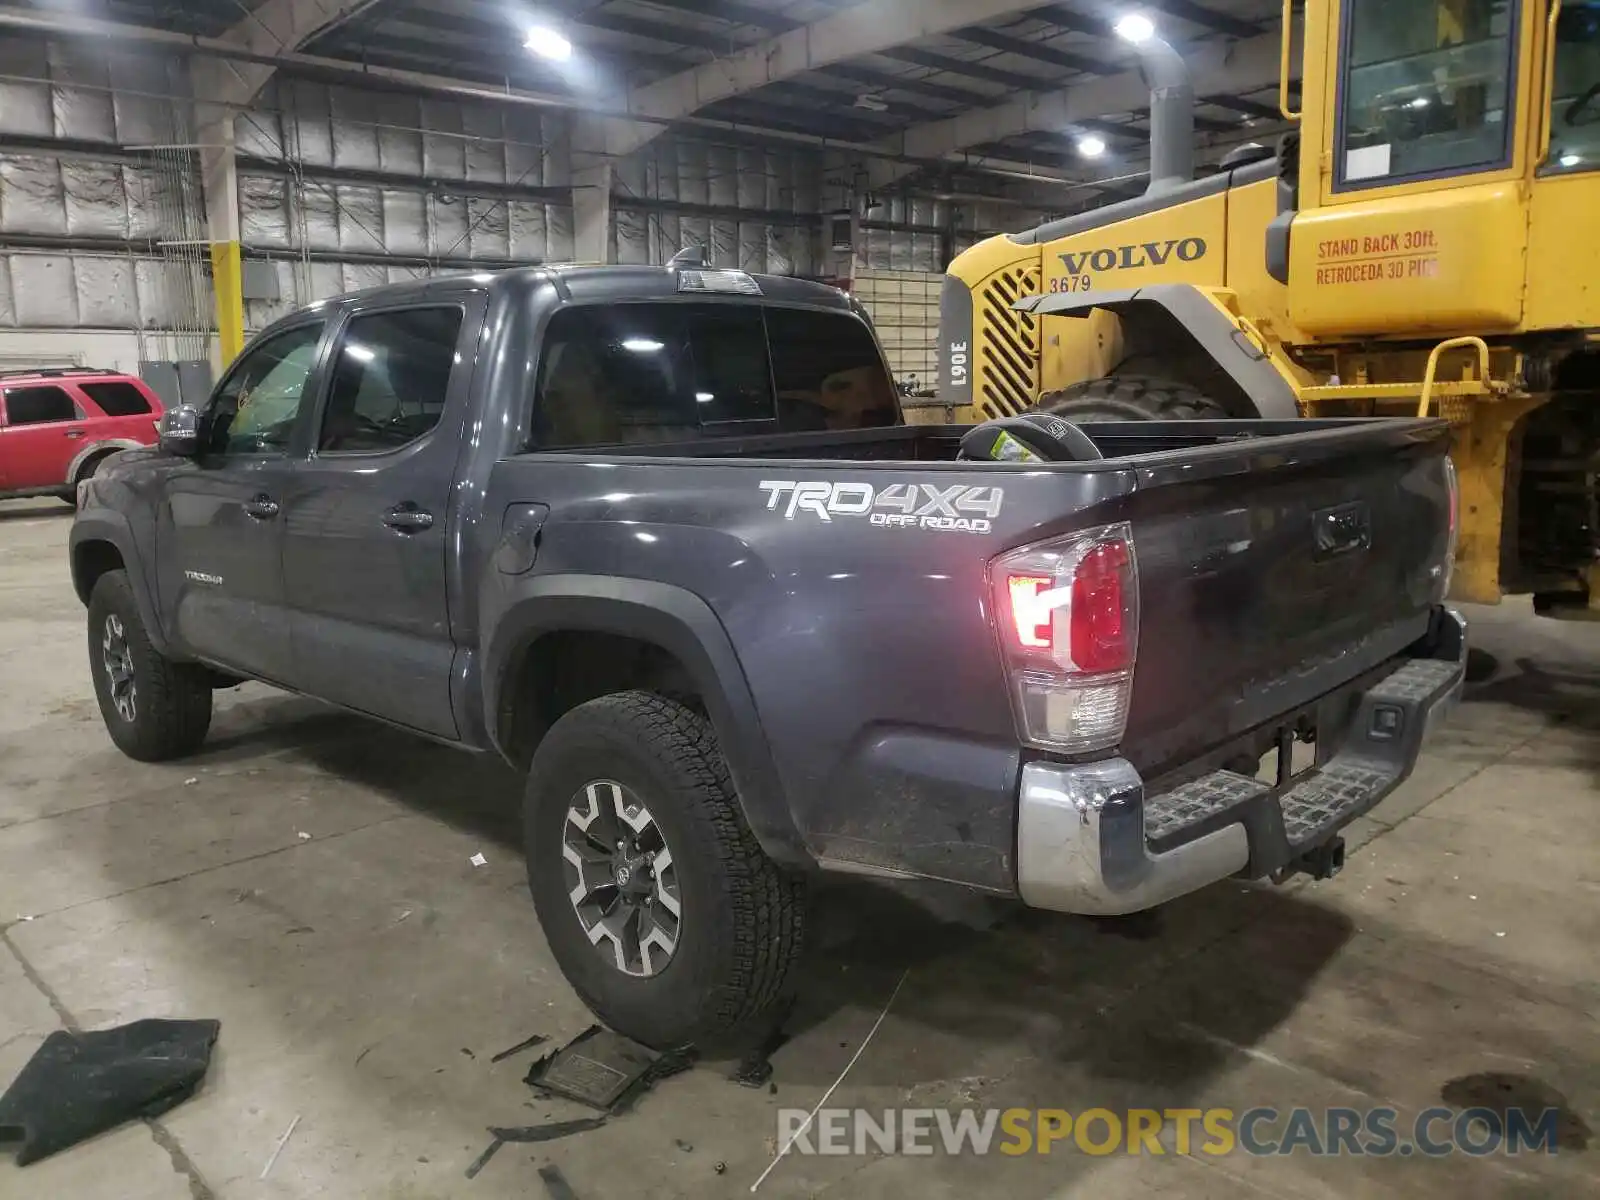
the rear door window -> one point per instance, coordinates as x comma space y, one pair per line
391, 378
117, 398
39, 405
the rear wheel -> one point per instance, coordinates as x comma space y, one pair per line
154, 708
659, 904
1131, 398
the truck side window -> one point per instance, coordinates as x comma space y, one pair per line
391, 377
38, 405
255, 410
615, 374
1425, 89
1575, 96
827, 371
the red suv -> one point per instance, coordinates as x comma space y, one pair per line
57, 426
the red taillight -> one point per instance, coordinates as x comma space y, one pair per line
1100, 640
1030, 609
1069, 624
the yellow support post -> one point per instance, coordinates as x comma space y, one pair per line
228, 284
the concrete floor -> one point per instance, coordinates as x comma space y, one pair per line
306, 880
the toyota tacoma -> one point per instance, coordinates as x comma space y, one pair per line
661, 538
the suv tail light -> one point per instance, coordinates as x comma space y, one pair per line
1453, 483
1068, 616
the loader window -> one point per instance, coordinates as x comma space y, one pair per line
1427, 91
1575, 97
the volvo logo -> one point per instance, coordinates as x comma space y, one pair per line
1144, 254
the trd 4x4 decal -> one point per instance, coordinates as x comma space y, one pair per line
958, 507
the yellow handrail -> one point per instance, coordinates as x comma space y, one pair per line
1547, 116
1283, 62
1476, 343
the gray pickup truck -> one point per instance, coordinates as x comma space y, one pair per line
660, 537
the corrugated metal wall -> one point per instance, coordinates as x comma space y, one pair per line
82, 97
341, 188
752, 209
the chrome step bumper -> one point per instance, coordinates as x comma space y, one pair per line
1090, 841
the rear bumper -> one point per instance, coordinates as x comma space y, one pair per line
1089, 839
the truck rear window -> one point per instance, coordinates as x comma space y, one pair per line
630, 374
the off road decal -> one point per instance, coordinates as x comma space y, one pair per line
957, 508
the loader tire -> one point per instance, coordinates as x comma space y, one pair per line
1131, 398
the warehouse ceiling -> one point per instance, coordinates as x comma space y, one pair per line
871, 100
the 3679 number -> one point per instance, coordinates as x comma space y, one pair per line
1071, 283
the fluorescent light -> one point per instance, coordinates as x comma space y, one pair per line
359, 352
1571, 160
704, 397
1135, 28
1421, 102
547, 43
1091, 147
638, 345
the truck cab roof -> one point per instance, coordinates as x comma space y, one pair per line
581, 284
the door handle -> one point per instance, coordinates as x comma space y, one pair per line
262, 508
74, 434
408, 518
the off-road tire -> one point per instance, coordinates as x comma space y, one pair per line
743, 916
1131, 398
172, 700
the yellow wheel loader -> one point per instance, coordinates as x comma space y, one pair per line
1427, 240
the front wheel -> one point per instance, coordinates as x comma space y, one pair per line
660, 906
154, 709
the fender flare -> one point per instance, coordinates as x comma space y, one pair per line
103, 526
1218, 336
104, 446
685, 626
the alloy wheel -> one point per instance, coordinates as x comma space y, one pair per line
621, 879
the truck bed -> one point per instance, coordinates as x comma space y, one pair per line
1117, 441
1279, 565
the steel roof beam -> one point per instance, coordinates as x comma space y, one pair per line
867, 28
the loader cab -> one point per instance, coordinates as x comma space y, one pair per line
1430, 129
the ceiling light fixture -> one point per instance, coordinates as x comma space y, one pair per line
1571, 160
1091, 147
1135, 28
547, 43
871, 102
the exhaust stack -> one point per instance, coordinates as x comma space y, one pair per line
1171, 105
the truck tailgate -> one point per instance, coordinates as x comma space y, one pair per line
1274, 570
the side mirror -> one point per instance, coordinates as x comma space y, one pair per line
180, 431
